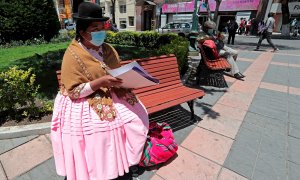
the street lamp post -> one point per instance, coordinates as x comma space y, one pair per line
195, 18
194, 31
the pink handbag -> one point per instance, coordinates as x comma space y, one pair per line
160, 145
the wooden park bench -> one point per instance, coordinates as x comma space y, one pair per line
170, 91
210, 71
214, 64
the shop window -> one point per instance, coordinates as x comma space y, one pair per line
123, 23
122, 8
131, 20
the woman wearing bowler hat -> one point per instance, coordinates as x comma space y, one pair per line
98, 129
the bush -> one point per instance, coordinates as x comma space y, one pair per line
63, 36
17, 90
23, 20
149, 39
179, 47
126, 38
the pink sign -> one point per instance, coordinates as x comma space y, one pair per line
178, 7
233, 5
226, 5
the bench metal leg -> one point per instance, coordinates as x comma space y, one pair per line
191, 105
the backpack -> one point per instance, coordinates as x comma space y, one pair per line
210, 50
160, 145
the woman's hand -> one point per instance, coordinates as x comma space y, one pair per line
106, 81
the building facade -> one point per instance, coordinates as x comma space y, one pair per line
294, 9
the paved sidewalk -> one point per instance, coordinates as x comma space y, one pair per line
250, 130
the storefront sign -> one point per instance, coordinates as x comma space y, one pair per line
226, 5
294, 7
233, 5
178, 7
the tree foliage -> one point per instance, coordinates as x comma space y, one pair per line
27, 19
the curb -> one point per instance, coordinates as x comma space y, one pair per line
25, 130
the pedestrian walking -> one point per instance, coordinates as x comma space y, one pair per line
232, 27
98, 129
266, 32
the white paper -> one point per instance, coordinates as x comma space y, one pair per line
133, 76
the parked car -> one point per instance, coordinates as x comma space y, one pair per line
71, 26
182, 29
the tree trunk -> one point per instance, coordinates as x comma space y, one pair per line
285, 28
218, 3
262, 10
208, 10
113, 3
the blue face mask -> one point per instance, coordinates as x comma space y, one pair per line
98, 38
210, 31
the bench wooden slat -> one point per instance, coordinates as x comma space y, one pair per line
168, 95
170, 92
175, 102
150, 88
158, 90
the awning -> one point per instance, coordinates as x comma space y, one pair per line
150, 2
142, 2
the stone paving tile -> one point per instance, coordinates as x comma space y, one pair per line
272, 108
277, 75
249, 137
147, 175
270, 167
294, 150
274, 144
212, 94
226, 174
274, 87
224, 120
224, 126
219, 110
269, 124
189, 166
294, 130
46, 170
243, 65
244, 151
294, 104
30, 154
202, 141
286, 59
8, 144
245, 54
294, 76
156, 177
24, 177
270, 94
236, 99
294, 91
2, 173
294, 118
241, 160
293, 171
181, 134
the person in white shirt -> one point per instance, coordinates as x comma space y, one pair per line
267, 33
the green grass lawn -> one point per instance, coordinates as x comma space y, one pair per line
10, 55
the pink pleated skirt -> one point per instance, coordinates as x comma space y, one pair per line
87, 148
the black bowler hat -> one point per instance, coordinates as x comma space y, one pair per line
90, 12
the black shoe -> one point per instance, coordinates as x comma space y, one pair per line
238, 76
256, 49
241, 74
